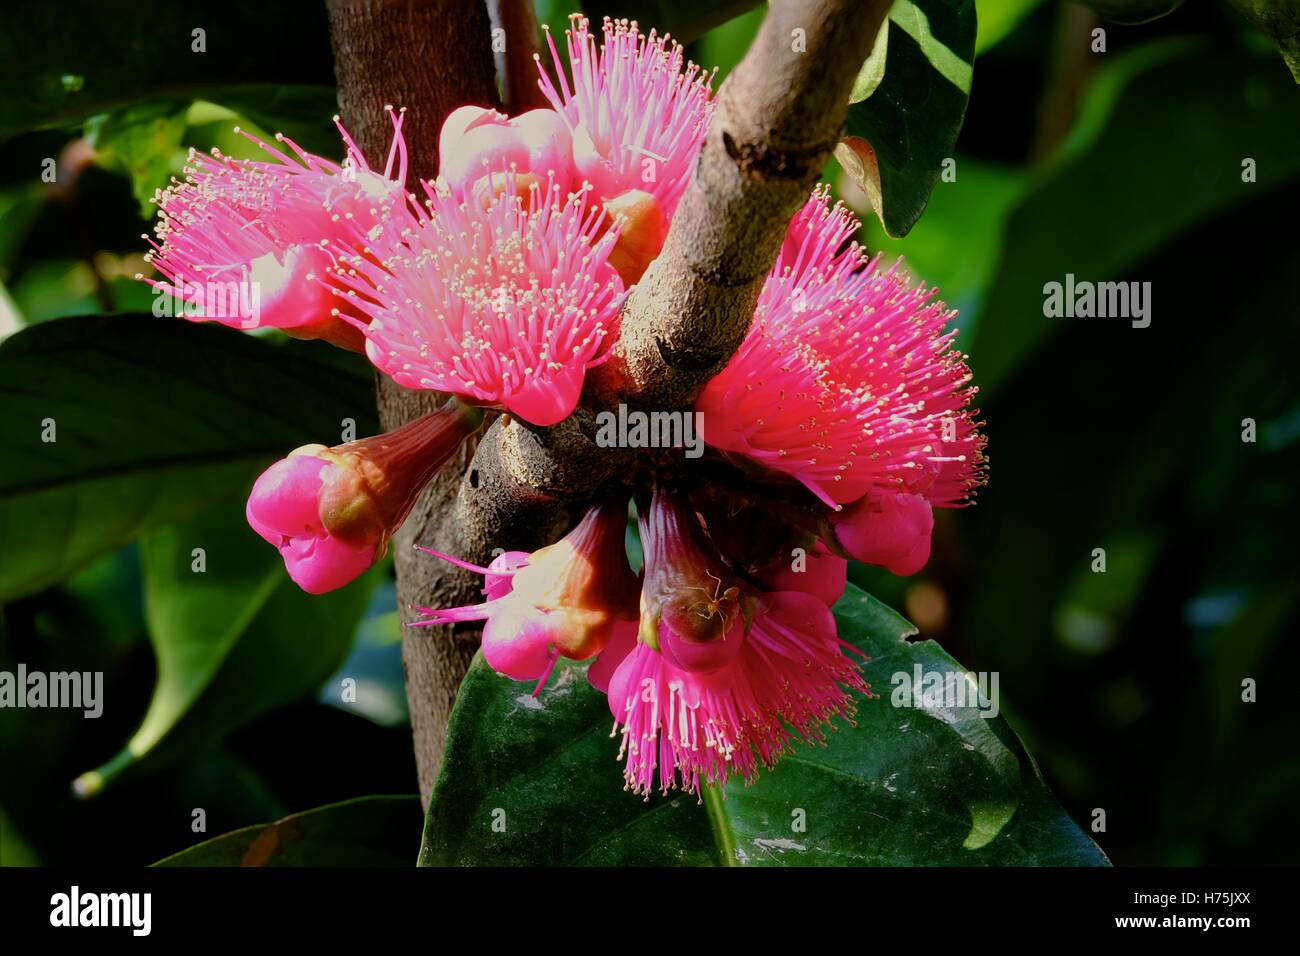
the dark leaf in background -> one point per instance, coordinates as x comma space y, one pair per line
367, 831
233, 640
1161, 144
1131, 440
1132, 11
154, 418
119, 59
1280, 21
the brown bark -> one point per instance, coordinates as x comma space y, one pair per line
429, 56
778, 118
518, 23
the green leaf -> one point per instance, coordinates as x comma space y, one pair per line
303, 113
685, 21
142, 141
151, 54
233, 640
998, 20
14, 851
898, 138
1132, 11
873, 70
1159, 146
367, 831
536, 781
153, 418
1280, 20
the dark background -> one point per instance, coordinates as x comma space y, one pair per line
1126, 685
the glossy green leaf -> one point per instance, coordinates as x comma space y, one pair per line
233, 635
151, 54
873, 70
898, 137
537, 781
367, 831
1164, 140
152, 419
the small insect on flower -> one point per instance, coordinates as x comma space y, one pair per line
714, 605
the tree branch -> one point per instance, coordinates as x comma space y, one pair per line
515, 64
430, 56
777, 120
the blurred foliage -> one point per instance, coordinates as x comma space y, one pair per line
1125, 685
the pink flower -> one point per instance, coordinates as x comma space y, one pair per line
847, 379
690, 602
638, 115
891, 530
507, 305
568, 599
241, 242
686, 728
477, 147
770, 551
332, 511
689, 717
814, 571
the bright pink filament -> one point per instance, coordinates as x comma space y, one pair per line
506, 305
847, 379
641, 111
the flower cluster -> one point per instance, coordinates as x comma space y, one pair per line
834, 432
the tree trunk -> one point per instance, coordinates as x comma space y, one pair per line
430, 56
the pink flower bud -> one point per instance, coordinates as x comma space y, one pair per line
816, 572
478, 146
568, 599
332, 511
284, 508
642, 228
891, 530
690, 604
